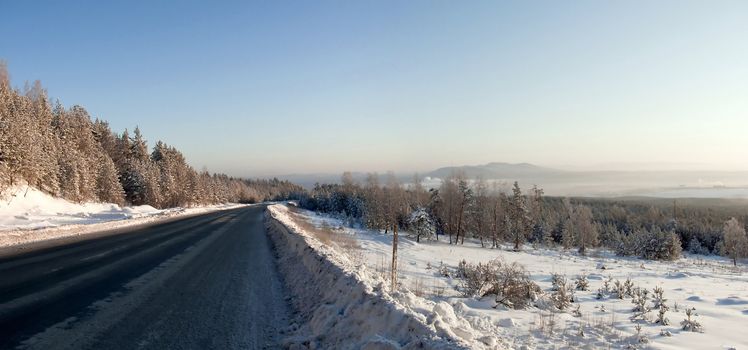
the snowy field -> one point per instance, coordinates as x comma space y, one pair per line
29, 215
717, 291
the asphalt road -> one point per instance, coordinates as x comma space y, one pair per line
204, 282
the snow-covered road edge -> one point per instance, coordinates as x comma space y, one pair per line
20, 237
338, 308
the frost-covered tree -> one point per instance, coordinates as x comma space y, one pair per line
735, 241
139, 150
585, 229
450, 196
689, 323
17, 135
582, 283
520, 220
536, 205
374, 207
466, 197
108, 187
62, 152
46, 144
480, 211
421, 224
499, 217
653, 244
568, 236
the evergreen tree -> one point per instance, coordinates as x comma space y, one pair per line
108, 187
520, 221
586, 232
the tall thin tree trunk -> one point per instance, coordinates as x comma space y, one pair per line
459, 226
394, 258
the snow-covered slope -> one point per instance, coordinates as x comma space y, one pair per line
28, 208
27, 215
718, 291
341, 305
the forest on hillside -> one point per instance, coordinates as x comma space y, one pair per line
475, 208
65, 153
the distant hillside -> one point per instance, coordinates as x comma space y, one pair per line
497, 170
665, 184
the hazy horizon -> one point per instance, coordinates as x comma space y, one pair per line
605, 167
273, 88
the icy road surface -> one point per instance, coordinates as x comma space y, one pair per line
207, 281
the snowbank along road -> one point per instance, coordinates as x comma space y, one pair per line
207, 281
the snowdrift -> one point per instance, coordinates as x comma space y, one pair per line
29, 215
25, 208
337, 308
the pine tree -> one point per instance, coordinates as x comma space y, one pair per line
47, 144
465, 200
519, 217
17, 149
568, 237
480, 211
139, 150
108, 187
586, 232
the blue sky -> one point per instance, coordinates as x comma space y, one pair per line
275, 87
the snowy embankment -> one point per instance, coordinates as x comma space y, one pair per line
717, 290
29, 215
342, 305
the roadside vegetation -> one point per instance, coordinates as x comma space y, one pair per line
494, 214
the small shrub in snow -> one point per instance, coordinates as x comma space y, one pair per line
658, 300
640, 298
561, 297
557, 281
509, 283
476, 279
582, 283
606, 284
665, 333
661, 319
577, 312
462, 269
658, 297
628, 287
619, 290
438, 291
690, 324
444, 271
600, 294
417, 287
641, 338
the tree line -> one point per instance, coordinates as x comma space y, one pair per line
489, 213
63, 152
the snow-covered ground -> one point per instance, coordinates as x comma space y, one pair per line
29, 215
340, 304
718, 291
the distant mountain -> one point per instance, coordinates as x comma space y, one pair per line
497, 170
610, 183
